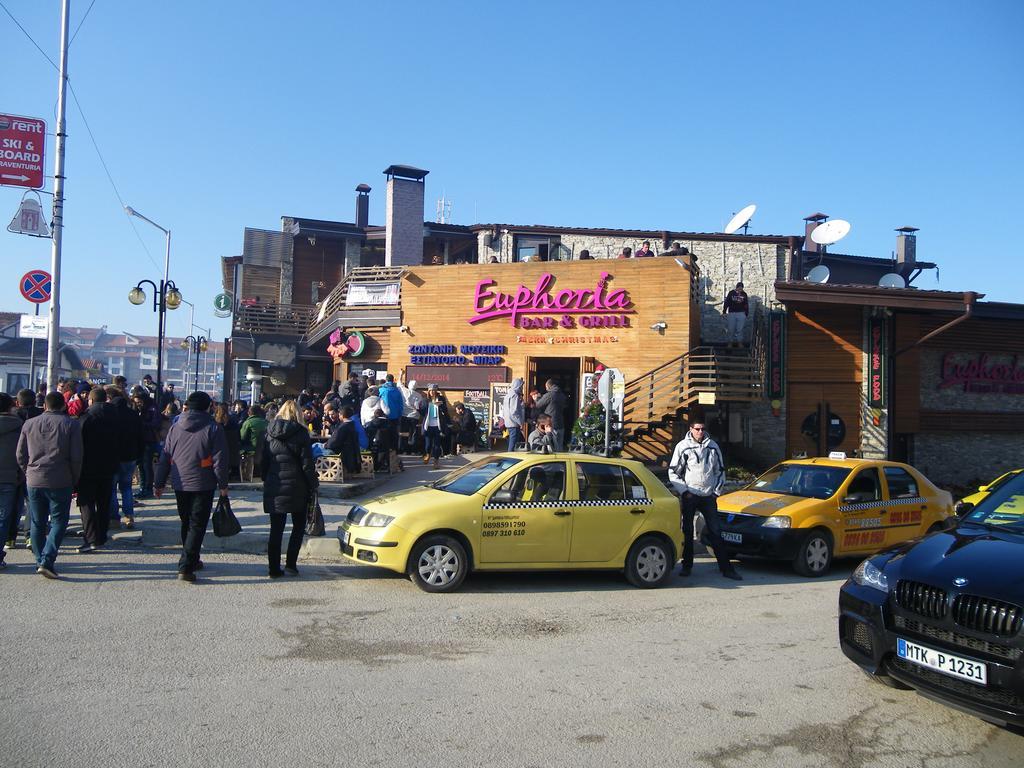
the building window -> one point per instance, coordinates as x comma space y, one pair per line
17, 381
147, 360
530, 248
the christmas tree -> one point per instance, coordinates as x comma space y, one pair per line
588, 431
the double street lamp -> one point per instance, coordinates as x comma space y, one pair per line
198, 345
165, 296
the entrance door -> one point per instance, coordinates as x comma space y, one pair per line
823, 418
523, 521
565, 371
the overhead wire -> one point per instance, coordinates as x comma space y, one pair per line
81, 112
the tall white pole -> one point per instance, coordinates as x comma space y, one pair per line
53, 350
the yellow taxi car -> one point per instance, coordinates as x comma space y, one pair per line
521, 511
984, 490
808, 511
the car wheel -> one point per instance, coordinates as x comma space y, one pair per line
438, 564
649, 562
815, 554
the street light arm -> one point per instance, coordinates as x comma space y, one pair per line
132, 212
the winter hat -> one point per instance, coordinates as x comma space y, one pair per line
198, 401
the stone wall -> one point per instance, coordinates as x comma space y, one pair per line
965, 459
767, 443
404, 222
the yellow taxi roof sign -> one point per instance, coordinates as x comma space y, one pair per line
837, 455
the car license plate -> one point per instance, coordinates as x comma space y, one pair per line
344, 538
940, 661
735, 538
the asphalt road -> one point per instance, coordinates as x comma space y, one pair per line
121, 665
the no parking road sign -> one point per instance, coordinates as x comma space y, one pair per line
36, 286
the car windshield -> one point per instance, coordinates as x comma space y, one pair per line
808, 480
471, 478
1003, 509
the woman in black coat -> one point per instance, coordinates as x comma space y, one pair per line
289, 481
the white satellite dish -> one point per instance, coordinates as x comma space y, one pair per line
892, 280
741, 219
830, 232
820, 274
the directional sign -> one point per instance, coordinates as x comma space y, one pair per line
36, 286
22, 140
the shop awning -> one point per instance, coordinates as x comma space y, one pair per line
871, 296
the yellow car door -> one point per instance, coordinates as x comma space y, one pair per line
864, 513
613, 506
526, 519
909, 514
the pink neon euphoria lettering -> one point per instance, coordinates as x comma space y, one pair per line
489, 304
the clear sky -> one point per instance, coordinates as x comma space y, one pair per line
213, 116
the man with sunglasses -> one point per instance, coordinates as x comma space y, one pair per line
697, 473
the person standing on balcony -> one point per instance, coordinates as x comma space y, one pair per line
697, 473
645, 250
735, 311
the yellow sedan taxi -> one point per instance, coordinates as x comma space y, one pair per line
808, 511
521, 511
977, 497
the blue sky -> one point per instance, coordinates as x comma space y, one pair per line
216, 116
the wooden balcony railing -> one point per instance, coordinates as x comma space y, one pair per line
274, 319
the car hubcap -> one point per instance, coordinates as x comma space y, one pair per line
651, 563
817, 555
438, 565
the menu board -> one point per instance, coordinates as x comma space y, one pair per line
478, 402
498, 392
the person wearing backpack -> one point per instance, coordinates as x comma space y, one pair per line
195, 457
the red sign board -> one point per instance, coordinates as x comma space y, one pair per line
456, 377
22, 140
877, 333
776, 355
36, 286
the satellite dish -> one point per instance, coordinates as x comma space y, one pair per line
830, 232
892, 280
741, 219
819, 274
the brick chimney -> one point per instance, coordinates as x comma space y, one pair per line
811, 223
362, 205
906, 249
403, 244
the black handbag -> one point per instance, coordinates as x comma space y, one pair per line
314, 517
224, 521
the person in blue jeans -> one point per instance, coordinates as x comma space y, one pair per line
151, 421
129, 450
49, 454
10, 475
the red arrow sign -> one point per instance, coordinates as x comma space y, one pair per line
22, 140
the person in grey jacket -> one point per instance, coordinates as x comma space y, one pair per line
514, 413
10, 474
697, 473
196, 459
552, 403
50, 457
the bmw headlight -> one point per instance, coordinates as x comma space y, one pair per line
377, 520
778, 521
869, 575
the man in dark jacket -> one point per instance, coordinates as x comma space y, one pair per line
10, 475
129, 451
99, 465
345, 442
27, 409
348, 393
196, 459
552, 403
50, 457
151, 421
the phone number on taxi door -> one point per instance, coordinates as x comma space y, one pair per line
504, 528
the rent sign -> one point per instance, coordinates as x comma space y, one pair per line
21, 151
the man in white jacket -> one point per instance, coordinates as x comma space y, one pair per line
697, 473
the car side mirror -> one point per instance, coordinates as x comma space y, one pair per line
502, 497
851, 498
982, 489
963, 508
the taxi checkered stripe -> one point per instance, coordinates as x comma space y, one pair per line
877, 502
584, 503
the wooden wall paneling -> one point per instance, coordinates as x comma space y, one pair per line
437, 303
906, 405
980, 335
824, 343
844, 400
971, 421
264, 282
311, 264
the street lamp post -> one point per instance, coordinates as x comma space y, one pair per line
165, 296
197, 345
166, 282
